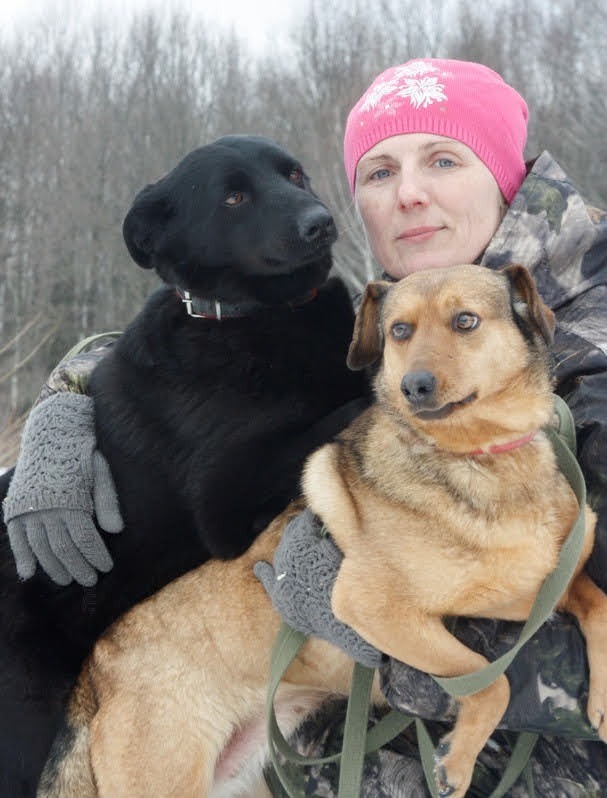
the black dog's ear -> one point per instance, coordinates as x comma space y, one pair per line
368, 338
527, 303
144, 224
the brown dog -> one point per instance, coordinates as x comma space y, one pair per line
444, 498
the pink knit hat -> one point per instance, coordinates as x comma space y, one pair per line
462, 100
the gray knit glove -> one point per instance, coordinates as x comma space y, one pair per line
301, 582
60, 482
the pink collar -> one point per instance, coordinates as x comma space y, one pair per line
498, 448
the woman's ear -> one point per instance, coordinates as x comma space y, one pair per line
367, 338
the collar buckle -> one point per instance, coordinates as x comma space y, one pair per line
187, 300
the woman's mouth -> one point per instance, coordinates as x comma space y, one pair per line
416, 235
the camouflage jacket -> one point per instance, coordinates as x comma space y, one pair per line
563, 242
73, 373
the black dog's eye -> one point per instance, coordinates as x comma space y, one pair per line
296, 176
465, 322
234, 198
401, 330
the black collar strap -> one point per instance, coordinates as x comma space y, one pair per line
200, 308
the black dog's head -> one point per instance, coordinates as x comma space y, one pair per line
234, 220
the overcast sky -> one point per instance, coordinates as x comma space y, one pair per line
257, 21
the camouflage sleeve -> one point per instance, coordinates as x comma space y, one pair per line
566, 768
548, 678
74, 371
581, 371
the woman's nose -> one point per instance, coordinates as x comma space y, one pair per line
411, 190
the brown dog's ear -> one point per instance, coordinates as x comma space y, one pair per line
527, 303
367, 338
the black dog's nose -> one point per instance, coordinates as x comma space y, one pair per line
418, 387
314, 224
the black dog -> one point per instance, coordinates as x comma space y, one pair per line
205, 409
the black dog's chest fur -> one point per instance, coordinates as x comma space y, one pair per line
206, 429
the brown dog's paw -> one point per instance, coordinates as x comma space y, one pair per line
453, 773
597, 707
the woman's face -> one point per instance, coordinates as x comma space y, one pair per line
427, 202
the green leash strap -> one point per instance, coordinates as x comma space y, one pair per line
426, 754
86, 343
566, 427
356, 743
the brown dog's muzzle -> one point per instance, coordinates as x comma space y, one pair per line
419, 389
421, 392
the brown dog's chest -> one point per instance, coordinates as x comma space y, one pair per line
442, 565
462, 537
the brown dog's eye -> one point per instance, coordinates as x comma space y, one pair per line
401, 331
235, 198
465, 322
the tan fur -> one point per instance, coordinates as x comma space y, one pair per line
428, 531
171, 701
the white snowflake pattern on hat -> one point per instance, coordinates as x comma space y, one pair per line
419, 89
376, 93
423, 92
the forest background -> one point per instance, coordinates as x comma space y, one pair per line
90, 116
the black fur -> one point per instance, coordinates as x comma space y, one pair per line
205, 423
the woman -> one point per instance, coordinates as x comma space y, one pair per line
433, 152
434, 157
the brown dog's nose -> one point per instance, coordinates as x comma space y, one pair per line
418, 387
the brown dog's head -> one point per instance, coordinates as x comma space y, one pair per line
464, 353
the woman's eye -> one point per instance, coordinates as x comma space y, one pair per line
465, 322
444, 163
380, 174
234, 198
401, 330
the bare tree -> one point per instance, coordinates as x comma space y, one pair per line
86, 123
